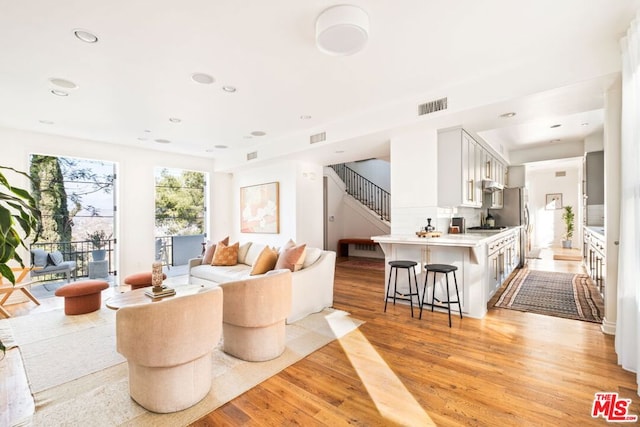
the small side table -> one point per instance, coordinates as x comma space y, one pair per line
99, 269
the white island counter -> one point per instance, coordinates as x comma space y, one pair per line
484, 260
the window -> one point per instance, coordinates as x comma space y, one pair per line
180, 215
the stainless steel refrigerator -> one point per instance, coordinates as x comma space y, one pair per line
515, 211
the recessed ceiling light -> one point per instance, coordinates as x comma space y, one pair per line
555, 126
142, 138
258, 133
305, 117
46, 122
162, 141
229, 89
221, 147
202, 78
507, 115
339, 151
59, 92
555, 140
85, 36
147, 131
175, 120
247, 137
63, 83
584, 124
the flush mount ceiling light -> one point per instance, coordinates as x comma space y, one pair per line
85, 36
63, 83
202, 78
342, 30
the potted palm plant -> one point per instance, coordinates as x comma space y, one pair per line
98, 240
19, 219
568, 217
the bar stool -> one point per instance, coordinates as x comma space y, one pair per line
408, 265
444, 269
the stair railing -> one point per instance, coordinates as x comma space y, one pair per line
365, 191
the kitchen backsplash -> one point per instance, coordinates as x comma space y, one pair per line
595, 214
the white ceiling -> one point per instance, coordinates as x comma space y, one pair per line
549, 61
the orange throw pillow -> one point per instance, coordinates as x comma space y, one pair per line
225, 255
292, 257
208, 255
265, 261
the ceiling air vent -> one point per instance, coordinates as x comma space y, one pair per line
318, 137
432, 106
561, 173
252, 155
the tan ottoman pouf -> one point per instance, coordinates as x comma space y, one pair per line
82, 297
140, 280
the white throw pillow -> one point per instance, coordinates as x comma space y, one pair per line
242, 253
253, 253
313, 254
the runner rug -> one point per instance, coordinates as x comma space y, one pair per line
567, 295
77, 377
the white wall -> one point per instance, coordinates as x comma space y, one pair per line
375, 170
548, 152
594, 142
414, 185
335, 208
300, 202
135, 185
548, 226
350, 218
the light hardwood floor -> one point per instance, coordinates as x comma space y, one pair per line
508, 369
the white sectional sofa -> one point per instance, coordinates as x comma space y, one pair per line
312, 285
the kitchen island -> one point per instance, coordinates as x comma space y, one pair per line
484, 260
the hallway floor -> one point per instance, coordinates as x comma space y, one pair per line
547, 263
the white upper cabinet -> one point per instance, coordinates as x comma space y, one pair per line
459, 175
463, 163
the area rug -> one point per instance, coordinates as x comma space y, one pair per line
87, 384
364, 263
567, 295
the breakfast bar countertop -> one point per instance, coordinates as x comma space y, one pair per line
467, 240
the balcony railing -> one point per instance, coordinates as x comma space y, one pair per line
80, 252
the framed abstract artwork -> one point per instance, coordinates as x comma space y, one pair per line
259, 208
553, 201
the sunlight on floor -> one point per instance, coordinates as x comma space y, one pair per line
390, 396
